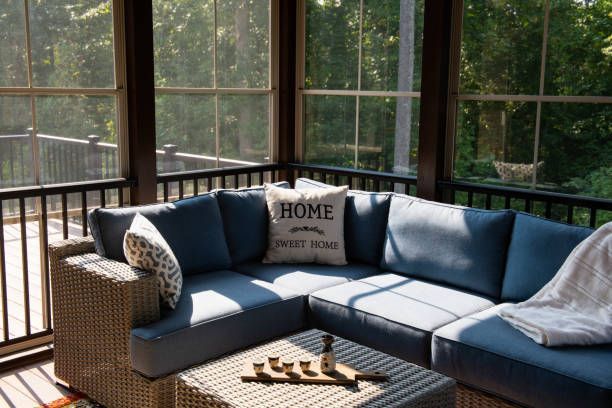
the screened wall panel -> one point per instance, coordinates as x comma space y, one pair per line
535, 96
214, 83
368, 54
61, 92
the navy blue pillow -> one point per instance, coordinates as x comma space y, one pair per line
537, 250
245, 218
463, 247
192, 227
365, 222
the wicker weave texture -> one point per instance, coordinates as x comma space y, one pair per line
218, 384
468, 397
96, 302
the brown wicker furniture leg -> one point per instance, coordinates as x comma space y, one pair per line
218, 384
96, 302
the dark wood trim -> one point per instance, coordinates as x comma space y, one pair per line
302, 169
140, 88
453, 86
65, 188
434, 96
286, 83
26, 360
219, 172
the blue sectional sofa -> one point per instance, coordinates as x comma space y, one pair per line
424, 282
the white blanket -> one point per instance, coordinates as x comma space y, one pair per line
575, 307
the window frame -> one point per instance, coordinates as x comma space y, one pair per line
302, 91
270, 90
117, 91
455, 97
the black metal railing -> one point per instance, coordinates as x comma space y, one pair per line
357, 179
581, 210
60, 159
562, 207
63, 159
17, 253
172, 186
67, 206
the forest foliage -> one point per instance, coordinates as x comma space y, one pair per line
501, 52
501, 49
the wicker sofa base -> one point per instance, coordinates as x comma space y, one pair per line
468, 397
125, 388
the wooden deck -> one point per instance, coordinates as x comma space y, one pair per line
30, 386
15, 277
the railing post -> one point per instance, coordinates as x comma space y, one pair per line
35, 168
94, 163
170, 164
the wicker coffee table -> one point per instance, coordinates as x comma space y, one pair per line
218, 384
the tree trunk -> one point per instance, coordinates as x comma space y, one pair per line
242, 56
403, 116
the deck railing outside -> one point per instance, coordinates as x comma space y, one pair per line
25, 233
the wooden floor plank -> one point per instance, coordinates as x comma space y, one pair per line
13, 398
30, 386
14, 273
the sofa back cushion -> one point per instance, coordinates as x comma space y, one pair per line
458, 246
365, 222
537, 250
245, 218
193, 229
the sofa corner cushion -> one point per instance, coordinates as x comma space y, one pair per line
219, 312
458, 246
537, 250
485, 352
365, 224
245, 220
192, 227
365, 221
306, 278
391, 313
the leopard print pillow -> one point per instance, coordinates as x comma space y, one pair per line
145, 248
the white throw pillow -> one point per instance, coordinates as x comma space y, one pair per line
306, 225
145, 248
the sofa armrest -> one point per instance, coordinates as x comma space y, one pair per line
74, 246
96, 303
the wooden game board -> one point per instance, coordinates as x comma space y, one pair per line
344, 374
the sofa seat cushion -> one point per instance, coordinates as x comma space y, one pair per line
527, 270
392, 313
218, 312
365, 222
485, 352
463, 247
307, 278
192, 227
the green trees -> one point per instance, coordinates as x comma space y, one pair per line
501, 55
71, 51
203, 46
373, 52
357, 63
